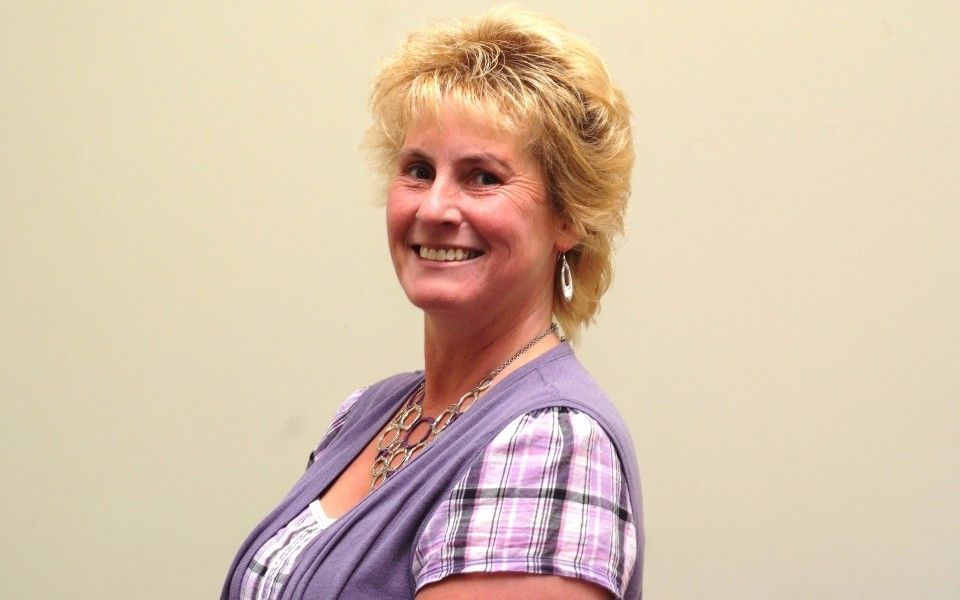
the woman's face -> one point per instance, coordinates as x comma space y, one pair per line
468, 222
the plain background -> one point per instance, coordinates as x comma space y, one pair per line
194, 275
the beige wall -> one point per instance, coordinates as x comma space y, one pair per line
193, 276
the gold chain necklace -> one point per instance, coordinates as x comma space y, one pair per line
395, 446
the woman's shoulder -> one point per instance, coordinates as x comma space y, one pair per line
565, 381
339, 417
556, 378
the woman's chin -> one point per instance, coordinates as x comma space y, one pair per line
440, 303
449, 298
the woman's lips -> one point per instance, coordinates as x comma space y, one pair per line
443, 254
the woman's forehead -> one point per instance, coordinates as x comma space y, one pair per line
484, 110
451, 112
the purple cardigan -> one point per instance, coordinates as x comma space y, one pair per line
367, 553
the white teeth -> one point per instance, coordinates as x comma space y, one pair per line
451, 255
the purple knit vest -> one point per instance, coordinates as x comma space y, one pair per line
367, 553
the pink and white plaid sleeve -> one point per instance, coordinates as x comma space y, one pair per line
547, 496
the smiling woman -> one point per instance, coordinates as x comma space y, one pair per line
502, 468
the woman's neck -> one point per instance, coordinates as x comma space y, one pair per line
459, 354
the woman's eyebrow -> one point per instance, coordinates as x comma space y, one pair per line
478, 157
413, 153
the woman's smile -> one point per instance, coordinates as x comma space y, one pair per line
442, 254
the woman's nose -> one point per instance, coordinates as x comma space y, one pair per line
439, 204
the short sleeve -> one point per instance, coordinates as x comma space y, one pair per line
335, 424
547, 496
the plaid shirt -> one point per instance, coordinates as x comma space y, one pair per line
547, 496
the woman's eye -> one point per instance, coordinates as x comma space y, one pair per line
419, 171
484, 178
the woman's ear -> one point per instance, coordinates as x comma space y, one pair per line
567, 236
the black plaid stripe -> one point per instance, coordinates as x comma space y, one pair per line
469, 495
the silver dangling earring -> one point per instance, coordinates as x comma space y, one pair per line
566, 278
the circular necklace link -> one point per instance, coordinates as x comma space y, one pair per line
395, 447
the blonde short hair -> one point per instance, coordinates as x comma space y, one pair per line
527, 74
